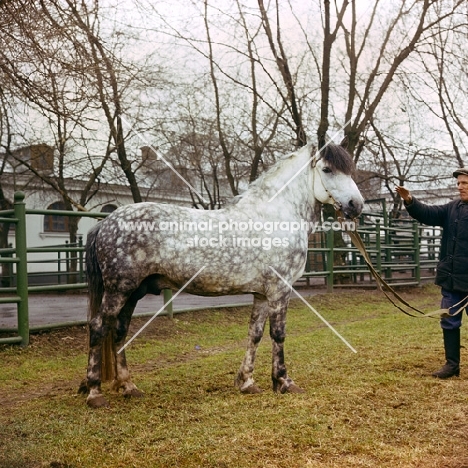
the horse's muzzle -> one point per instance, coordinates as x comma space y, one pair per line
353, 209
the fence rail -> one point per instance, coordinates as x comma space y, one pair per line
403, 251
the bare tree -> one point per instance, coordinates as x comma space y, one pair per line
277, 48
445, 63
36, 66
57, 58
104, 66
200, 162
39, 68
410, 25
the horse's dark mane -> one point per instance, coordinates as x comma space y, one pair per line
338, 158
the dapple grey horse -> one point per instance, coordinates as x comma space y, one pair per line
257, 244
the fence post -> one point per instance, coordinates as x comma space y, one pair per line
330, 258
377, 246
67, 262
59, 268
388, 250
22, 268
80, 259
168, 307
417, 246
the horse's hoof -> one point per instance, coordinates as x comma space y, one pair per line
293, 388
251, 390
83, 388
134, 392
286, 387
97, 402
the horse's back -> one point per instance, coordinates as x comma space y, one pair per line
211, 249
175, 243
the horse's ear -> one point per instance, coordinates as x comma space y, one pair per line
313, 156
344, 142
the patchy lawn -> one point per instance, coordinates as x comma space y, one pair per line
377, 408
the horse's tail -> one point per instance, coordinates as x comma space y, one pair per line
95, 294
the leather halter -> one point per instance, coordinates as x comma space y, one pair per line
314, 162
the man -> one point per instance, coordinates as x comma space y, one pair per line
452, 269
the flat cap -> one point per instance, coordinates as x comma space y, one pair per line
462, 170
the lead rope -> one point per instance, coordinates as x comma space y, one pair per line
390, 293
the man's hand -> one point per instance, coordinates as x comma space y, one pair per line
404, 193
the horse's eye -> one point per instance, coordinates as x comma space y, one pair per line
327, 170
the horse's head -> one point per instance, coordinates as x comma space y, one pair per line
333, 180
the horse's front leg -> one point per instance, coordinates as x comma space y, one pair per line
244, 380
281, 382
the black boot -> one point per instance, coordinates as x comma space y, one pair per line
452, 355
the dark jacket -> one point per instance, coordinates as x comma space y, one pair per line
452, 269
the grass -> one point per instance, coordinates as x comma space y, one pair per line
379, 407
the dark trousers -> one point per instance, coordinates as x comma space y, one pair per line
449, 299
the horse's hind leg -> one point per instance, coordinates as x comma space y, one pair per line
281, 382
244, 379
100, 327
122, 379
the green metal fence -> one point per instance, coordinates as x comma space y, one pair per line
17, 217
404, 252
19, 290
18, 256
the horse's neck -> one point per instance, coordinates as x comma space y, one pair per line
288, 185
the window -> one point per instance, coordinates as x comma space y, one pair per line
56, 223
108, 208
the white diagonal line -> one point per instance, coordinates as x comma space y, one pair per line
307, 163
159, 155
160, 310
314, 311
